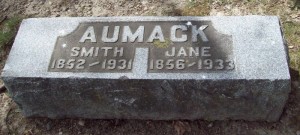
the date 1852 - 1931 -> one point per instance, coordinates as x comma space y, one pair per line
80, 64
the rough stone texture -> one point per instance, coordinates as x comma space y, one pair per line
257, 89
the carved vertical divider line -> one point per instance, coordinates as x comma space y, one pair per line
140, 63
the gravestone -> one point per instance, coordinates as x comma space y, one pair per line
159, 68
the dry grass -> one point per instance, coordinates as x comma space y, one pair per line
196, 8
8, 31
292, 34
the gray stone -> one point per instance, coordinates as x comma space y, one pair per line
256, 88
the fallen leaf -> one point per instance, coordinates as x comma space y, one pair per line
291, 47
181, 127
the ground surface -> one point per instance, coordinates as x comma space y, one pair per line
12, 122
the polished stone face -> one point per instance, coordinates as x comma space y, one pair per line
160, 68
173, 47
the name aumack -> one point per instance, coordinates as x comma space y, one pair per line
139, 34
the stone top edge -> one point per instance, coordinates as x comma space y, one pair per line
38, 73
149, 18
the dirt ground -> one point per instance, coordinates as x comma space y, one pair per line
12, 121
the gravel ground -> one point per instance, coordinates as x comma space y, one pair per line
12, 122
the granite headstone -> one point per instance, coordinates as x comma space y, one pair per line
160, 68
